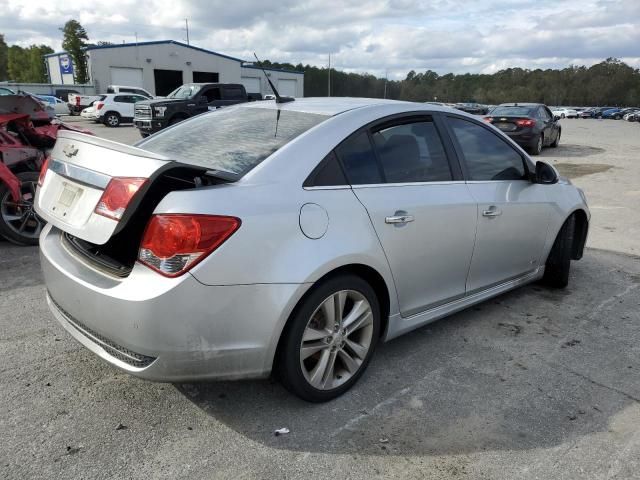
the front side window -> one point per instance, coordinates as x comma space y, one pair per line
412, 152
359, 160
486, 156
233, 139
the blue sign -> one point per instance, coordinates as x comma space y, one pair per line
66, 65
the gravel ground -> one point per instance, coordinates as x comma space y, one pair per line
535, 384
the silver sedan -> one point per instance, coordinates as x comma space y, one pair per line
292, 238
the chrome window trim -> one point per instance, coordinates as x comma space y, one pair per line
81, 174
407, 184
329, 187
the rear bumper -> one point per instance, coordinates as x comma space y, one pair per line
166, 329
525, 138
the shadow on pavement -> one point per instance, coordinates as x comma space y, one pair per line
532, 368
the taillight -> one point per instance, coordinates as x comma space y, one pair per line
117, 195
43, 171
488, 119
99, 105
173, 243
77, 100
525, 122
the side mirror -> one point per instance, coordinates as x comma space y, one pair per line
545, 173
556, 117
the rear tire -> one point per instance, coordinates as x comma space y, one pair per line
556, 273
342, 344
536, 148
111, 119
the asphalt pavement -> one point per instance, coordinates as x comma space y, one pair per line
534, 384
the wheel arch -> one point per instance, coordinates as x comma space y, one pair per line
580, 234
368, 274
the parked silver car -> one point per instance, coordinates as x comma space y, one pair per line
293, 237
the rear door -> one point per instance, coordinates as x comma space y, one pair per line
513, 213
420, 208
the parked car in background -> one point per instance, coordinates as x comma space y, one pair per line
531, 125
612, 114
116, 108
90, 111
632, 116
124, 89
473, 108
293, 237
563, 112
597, 112
586, 113
186, 101
59, 107
6, 91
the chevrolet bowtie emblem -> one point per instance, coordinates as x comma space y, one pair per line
70, 150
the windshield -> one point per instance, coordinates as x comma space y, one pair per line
511, 110
233, 139
185, 91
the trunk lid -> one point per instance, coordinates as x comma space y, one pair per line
79, 170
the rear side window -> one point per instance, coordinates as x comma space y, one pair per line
328, 173
232, 139
359, 160
212, 94
412, 152
122, 99
486, 156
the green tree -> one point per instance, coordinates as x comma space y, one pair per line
26, 65
4, 53
74, 42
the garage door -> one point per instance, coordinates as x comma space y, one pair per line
287, 88
251, 84
131, 77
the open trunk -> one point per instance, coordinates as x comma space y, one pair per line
84, 170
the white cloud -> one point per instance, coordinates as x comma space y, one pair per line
374, 36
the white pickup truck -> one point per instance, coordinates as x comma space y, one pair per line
78, 102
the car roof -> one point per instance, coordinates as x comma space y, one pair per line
335, 105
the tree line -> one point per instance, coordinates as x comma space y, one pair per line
610, 82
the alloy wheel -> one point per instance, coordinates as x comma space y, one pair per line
336, 340
20, 217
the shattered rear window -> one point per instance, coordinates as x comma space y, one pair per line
232, 139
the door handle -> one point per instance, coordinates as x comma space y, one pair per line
399, 219
492, 212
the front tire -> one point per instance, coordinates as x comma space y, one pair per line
330, 339
556, 273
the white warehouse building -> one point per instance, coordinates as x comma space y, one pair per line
161, 66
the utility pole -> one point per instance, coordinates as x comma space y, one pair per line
329, 78
386, 75
186, 27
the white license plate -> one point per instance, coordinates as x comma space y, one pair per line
68, 196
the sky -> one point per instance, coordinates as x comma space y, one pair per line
380, 37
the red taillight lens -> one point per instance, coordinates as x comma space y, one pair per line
488, 119
525, 122
117, 195
173, 243
99, 105
43, 171
77, 100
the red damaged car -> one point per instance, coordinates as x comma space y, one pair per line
26, 135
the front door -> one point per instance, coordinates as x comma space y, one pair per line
513, 213
422, 212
